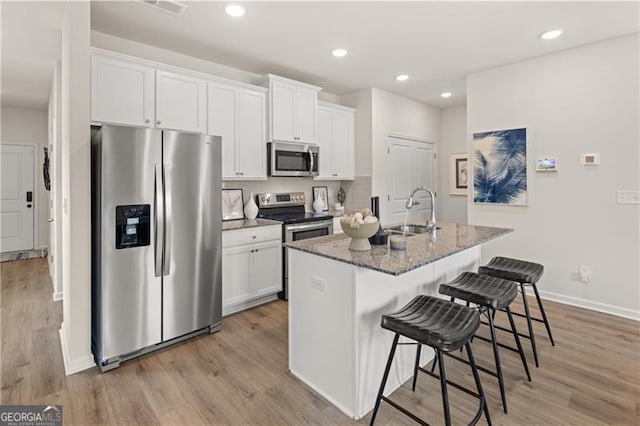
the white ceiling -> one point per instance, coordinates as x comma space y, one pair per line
436, 43
30, 45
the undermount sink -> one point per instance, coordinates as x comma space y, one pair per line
408, 229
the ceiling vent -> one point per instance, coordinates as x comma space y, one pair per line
169, 6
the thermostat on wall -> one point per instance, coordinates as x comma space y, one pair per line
590, 159
546, 165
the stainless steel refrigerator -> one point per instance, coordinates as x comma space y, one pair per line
156, 240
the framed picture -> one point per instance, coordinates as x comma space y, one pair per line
321, 192
500, 167
232, 204
458, 173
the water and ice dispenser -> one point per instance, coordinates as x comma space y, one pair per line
133, 226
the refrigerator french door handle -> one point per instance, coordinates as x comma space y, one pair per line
168, 222
159, 220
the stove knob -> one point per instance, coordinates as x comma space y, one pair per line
263, 200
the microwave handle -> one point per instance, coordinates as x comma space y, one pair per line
311, 162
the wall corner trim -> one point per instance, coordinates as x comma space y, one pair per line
72, 366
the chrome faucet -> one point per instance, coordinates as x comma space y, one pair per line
431, 225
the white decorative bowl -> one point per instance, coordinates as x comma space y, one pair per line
360, 236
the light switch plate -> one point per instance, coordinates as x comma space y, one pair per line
628, 197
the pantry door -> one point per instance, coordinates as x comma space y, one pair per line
410, 163
17, 197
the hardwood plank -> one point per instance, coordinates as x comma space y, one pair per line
240, 375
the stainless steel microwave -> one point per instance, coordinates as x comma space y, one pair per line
292, 159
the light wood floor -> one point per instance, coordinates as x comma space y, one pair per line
240, 376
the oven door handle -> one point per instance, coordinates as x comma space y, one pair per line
317, 225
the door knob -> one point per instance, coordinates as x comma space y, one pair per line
50, 220
28, 206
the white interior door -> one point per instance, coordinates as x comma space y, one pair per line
410, 164
16, 211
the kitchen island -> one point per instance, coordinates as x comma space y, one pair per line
338, 296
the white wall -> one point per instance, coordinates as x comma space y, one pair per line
453, 139
361, 101
29, 126
75, 330
395, 114
152, 53
576, 101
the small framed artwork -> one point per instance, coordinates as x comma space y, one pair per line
458, 173
321, 192
232, 204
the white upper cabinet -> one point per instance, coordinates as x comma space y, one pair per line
293, 109
282, 112
306, 112
252, 126
238, 114
181, 102
121, 92
336, 139
222, 122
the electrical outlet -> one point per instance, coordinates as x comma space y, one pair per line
319, 284
628, 197
585, 273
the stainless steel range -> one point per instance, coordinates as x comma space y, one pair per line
289, 208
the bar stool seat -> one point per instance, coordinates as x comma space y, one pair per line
481, 290
513, 269
445, 327
434, 322
490, 294
526, 274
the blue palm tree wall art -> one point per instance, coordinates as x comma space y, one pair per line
500, 167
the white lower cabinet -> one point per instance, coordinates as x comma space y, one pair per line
251, 267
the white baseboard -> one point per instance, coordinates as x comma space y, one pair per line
72, 366
57, 296
232, 308
588, 304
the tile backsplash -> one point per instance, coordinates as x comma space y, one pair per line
358, 193
284, 184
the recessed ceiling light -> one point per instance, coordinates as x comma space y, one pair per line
446, 94
339, 53
551, 34
402, 77
234, 10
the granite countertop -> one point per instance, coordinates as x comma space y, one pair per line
421, 250
248, 223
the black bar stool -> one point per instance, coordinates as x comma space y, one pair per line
490, 294
445, 327
527, 274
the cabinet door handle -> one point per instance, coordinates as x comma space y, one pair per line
335, 174
158, 122
146, 120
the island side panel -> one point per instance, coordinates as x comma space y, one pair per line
322, 328
448, 268
377, 294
